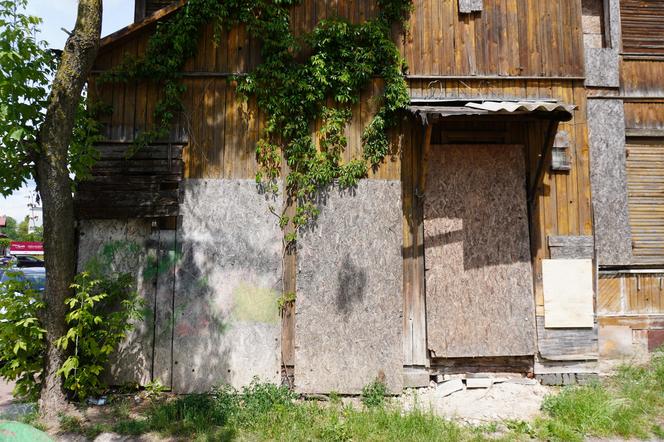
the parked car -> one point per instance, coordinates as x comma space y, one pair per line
28, 261
36, 276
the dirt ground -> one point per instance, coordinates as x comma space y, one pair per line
502, 400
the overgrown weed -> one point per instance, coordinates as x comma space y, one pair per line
624, 405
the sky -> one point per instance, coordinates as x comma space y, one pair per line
57, 14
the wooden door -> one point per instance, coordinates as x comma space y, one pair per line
479, 294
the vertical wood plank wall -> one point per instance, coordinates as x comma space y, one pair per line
519, 38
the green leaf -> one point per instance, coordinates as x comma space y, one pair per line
17, 135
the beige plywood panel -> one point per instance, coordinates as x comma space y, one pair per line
479, 276
568, 293
348, 312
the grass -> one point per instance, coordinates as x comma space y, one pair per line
629, 404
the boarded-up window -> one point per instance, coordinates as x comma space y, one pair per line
593, 23
645, 185
642, 26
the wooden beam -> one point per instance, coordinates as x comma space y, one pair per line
119, 35
418, 299
426, 150
546, 152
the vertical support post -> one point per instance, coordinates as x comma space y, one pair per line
289, 264
418, 308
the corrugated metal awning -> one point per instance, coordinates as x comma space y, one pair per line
546, 109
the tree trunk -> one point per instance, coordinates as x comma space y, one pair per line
56, 191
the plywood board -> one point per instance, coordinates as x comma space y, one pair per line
227, 281
571, 247
478, 267
608, 177
348, 312
568, 293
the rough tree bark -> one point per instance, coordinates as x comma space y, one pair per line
56, 191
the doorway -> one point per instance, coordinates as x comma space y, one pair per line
478, 270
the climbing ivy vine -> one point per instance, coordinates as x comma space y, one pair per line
343, 58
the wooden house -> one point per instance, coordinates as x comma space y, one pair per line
517, 225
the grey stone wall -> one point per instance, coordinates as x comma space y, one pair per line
228, 279
348, 324
608, 178
124, 246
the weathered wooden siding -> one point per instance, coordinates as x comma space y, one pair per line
526, 38
509, 37
536, 45
642, 26
645, 187
630, 310
642, 78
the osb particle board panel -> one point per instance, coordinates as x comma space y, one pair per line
228, 278
602, 67
469, 6
348, 323
571, 247
479, 277
568, 293
608, 179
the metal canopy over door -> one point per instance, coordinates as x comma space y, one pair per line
479, 293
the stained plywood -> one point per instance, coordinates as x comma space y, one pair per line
227, 281
568, 293
348, 310
479, 276
606, 131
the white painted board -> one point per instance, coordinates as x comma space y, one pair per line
568, 293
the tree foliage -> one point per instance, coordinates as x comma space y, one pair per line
25, 69
16, 231
37, 124
22, 337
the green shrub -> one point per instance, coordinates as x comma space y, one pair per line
373, 394
99, 317
22, 338
259, 398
